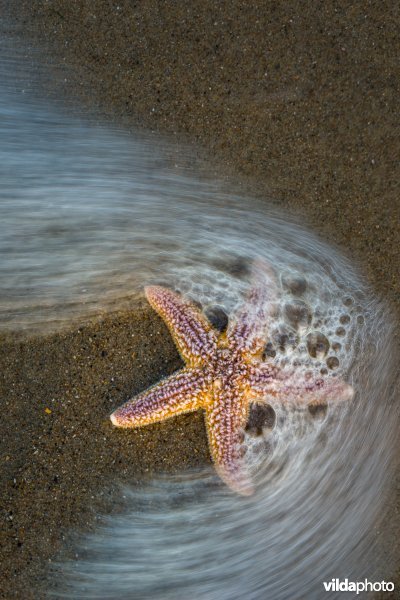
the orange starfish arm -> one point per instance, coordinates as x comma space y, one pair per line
248, 331
290, 388
180, 393
226, 419
192, 333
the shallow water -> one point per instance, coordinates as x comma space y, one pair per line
88, 215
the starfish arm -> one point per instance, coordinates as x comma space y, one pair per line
225, 422
249, 330
178, 394
291, 388
192, 333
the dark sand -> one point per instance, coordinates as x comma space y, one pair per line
298, 99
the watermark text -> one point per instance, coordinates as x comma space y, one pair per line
344, 585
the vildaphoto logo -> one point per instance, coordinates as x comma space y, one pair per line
336, 585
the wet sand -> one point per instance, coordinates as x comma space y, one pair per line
60, 453
297, 102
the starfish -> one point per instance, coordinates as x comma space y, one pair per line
224, 374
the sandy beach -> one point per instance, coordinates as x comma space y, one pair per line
293, 101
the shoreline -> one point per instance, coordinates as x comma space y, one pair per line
297, 107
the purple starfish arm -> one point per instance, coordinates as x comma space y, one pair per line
290, 387
226, 418
173, 396
192, 333
249, 330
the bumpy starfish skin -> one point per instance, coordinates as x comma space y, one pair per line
224, 374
